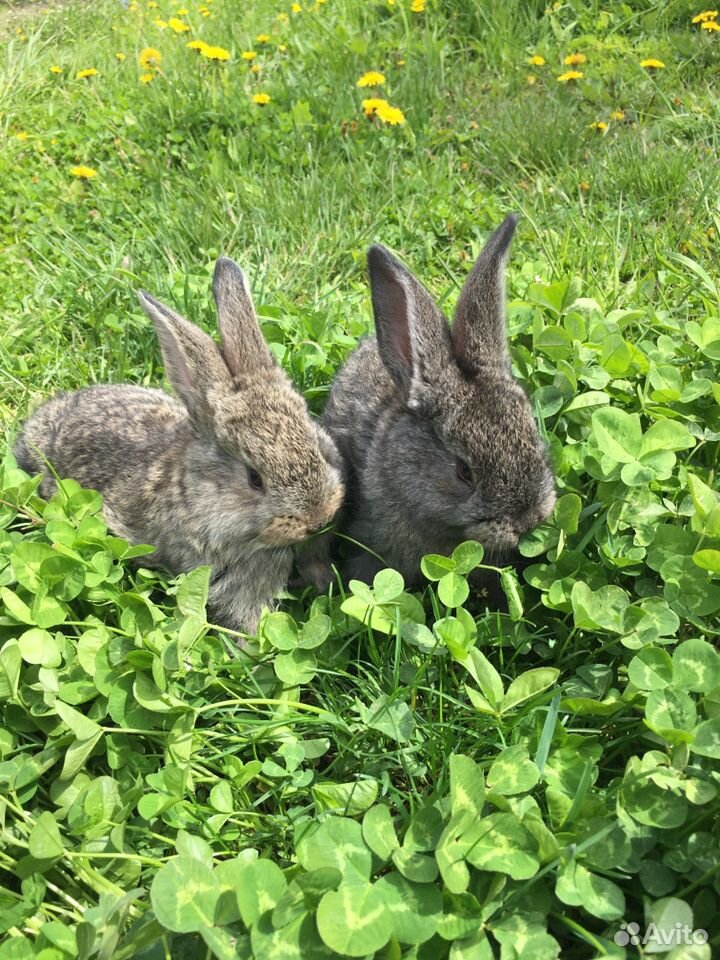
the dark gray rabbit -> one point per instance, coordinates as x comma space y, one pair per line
232, 474
439, 439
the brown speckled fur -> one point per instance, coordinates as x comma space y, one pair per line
419, 396
175, 473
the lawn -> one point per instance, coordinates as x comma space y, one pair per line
381, 772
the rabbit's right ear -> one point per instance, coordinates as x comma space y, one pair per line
412, 334
193, 363
243, 344
479, 333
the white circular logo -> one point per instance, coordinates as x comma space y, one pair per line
628, 933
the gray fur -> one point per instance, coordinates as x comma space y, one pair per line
419, 395
175, 474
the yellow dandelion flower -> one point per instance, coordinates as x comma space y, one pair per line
183, 12
84, 74
399, 63
150, 58
255, 68
198, 45
296, 8
22, 135
83, 172
370, 106
600, 126
261, 99
177, 25
391, 115
262, 38
617, 115
215, 53
531, 79
55, 69
536, 61
371, 79
569, 75
204, 11
574, 59
417, 6
147, 77
282, 48
652, 64
705, 16
160, 24
248, 55
710, 26
152, 5
120, 57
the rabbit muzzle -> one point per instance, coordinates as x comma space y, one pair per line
504, 534
497, 537
285, 530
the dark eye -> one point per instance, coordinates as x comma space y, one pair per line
463, 471
254, 479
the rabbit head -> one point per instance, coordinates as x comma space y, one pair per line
470, 455
270, 475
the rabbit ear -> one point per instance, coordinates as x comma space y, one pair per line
193, 363
478, 333
412, 334
243, 344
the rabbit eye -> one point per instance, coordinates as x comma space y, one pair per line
463, 471
254, 479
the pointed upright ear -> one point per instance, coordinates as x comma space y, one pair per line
243, 344
479, 334
193, 363
412, 334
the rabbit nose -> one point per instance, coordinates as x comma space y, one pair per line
325, 511
316, 526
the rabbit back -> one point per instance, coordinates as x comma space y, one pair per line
129, 444
94, 433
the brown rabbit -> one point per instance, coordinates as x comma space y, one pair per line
232, 474
439, 439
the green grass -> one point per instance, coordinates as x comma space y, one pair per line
580, 727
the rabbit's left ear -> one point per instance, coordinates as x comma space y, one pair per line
412, 334
193, 363
479, 332
243, 345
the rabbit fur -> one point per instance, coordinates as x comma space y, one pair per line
439, 439
232, 474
